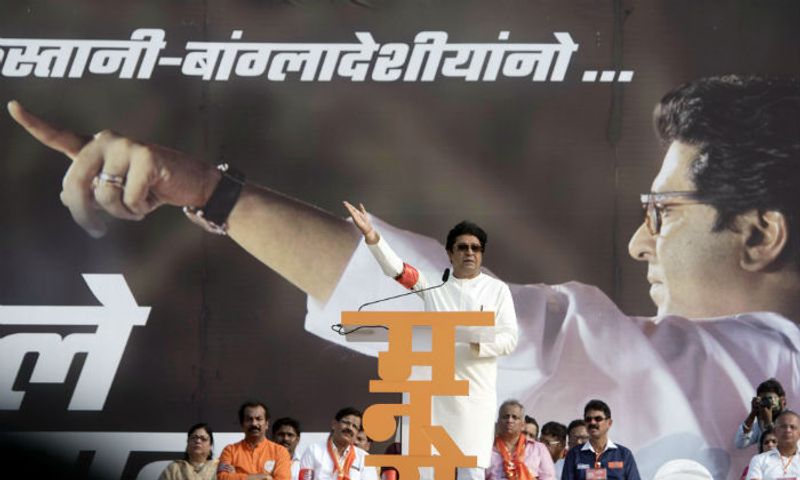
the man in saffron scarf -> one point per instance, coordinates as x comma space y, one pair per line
338, 458
515, 455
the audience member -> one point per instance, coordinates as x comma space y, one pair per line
286, 432
782, 462
599, 457
255, 457
338, 457
197, 463
577, 433
531, 428
767, 442
515, 455
770, 400
363, 441
554, 437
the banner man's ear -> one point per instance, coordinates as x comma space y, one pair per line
766, 234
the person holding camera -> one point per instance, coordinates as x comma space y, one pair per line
769, 402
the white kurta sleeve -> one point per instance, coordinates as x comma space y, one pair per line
505, 330
755, 470
309, 458
389, 261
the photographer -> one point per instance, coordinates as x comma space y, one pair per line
769, 402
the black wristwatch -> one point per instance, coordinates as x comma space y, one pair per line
213, 216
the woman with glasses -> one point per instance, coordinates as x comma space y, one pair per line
197, 463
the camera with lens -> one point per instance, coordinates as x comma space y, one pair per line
765, 402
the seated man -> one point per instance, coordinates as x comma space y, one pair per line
577, 433
782, 462
599, 458
554, 437
769, 402
363, 441
255, 457
516, 455
286, 432
337, 457
531, 427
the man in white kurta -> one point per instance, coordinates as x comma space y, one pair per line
783, 461
318, 458
338, 458
469, 420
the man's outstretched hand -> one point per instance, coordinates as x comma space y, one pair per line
362, 221
125, 178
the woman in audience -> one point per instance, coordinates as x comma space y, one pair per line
197, 463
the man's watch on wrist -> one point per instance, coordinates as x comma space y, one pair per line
213, 216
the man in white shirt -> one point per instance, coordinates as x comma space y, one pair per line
468, 420
338, 458
782, 462
721, 241
286, 432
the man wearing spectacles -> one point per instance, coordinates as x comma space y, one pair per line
599, 458
554, 437
577, 433
721, 241
338, 457
469, 421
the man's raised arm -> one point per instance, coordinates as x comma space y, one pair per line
306, 245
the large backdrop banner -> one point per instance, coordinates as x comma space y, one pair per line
532, 119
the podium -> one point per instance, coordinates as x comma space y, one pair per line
416, 340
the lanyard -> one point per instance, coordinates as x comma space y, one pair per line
597, 456
788, 462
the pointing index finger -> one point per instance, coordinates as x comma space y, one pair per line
62, 140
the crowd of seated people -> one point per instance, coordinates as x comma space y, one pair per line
578, 451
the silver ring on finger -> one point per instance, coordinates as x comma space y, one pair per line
116, 181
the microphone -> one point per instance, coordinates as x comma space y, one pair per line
445, 277
339, 328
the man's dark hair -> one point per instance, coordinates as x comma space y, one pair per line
555, 429
252, 404
465, 228
748, 136
599, 405
205, 427
346, 411
578, 422
286, 421
770, 386
529, 419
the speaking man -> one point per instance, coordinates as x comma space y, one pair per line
468, 420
